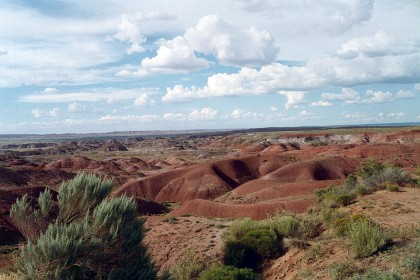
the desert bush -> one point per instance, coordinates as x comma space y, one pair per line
345, 270
377, 275
32, 222
263, 241
239, 228
310, 226
413, 260
93, 237
370, 168
334, 196
345, 199
331, 214
240, 255
363, 190
229, 273
187, 267
393, 187
340, 225
366, 238
388, 175
285, 225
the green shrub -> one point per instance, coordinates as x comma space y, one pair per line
370, 168
340, 225
363, 190
263, 241
388, 175
240, 255
239, 228
92, 237
341, 271
413, 260
331, 214
345, 199
229, 273
285, 225
310, 226
187, 267
393, 187
366, 238
377, 275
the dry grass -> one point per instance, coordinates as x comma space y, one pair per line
9, 276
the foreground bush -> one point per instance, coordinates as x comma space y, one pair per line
240, 255
229, 273
263, 241
377, 275
92, 238
187, 267
366, 238
285, 225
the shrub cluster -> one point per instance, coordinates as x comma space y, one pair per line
229, 273
93, 237
366, 238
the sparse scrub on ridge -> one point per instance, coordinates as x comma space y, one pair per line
413, 259
345, 270
341, 225
93, 237
373, 274
229, 273
187, 267
366, 238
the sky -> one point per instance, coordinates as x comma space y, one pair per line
75, 66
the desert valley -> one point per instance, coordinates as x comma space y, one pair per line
191, 187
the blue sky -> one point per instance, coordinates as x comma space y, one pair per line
67, 66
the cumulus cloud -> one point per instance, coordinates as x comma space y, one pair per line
305, 114
38, 113
334, 16
379, 44
144, 100
269, 79
231, 46
174, 117
109, 95
50, 90
321, 103
211, 36
345, 95
129, 29
76, 107
371, 97
405, 94
203, 114
239, 114
294, 98
173, 56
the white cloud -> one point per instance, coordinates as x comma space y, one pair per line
239, 114
274, 109
294, 98
334, 16
89, 95
405, 94
130, 118
129, 29
174, 117
211, 36
37, 112
54, 112
321, 103
305, 114
76, 107
144, 100
231, 46
173, 56
345, 95
372, 97
50, 90
379, 44
396, 116
356, 115
203, 114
